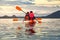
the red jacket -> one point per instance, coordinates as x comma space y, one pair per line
31, 15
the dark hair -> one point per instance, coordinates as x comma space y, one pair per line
27, 13
31, 11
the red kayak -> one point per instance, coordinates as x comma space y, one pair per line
30, 27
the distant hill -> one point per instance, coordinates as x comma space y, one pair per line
13, 16
54, 15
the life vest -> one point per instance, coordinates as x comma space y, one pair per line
32, 23
31, 15
26, 17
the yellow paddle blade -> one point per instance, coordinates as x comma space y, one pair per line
39, 20
15, 19
18, 8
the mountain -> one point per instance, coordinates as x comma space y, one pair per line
54, 15
5, 16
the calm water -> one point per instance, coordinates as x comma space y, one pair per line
48, 30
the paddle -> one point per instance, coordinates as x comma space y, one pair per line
19, 9
39, 20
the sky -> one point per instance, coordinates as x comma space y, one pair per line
47, 2
37, 2
45, 7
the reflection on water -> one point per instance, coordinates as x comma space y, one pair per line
48, 30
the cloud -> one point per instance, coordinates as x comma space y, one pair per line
27, 2
47, 2
16, 2
8, 0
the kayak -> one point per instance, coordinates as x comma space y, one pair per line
17, 21
30, 26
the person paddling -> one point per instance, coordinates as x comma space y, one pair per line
31, 15
32, 18
26, 16
29, 25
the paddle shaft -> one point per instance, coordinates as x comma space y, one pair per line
23, 11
